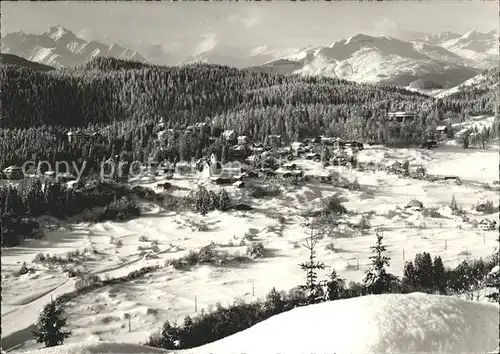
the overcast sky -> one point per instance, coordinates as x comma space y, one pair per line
277, 24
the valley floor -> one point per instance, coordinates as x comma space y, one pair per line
170, 294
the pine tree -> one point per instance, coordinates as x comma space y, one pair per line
493, 278
310, 267
170, 335
377, 280
274, 302
224, 203
50, 326
424, 271
453, 204
409, 277
185, 335
493, 281
440, 280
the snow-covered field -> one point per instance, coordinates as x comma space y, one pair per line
169, 294
413, 323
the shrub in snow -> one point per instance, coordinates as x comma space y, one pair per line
50, 326
493, 281
330, 247
364, 223
333, 286
431, 212
87, 282
257, 191
205, 201
467, 278
256, 250
333, 206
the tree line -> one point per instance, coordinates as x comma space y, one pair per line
30, 199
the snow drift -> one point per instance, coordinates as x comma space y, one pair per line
99, 348
392, 323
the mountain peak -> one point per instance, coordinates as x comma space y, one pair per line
59, 47
361, 38
437, 38
475, 35
57, 32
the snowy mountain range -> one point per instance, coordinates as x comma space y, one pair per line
447, 59
60, 47
444, 60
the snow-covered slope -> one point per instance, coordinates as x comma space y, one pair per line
370, 59
60, 47
100, 348
393, 323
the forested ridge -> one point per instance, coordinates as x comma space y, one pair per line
484, 94
123, 101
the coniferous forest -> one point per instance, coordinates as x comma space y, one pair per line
123, 101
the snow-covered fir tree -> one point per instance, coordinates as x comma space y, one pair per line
493, 278
377, 280
50, 325
312, 287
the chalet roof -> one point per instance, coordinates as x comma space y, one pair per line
441, 128
487, 221
415, 204
242, 137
